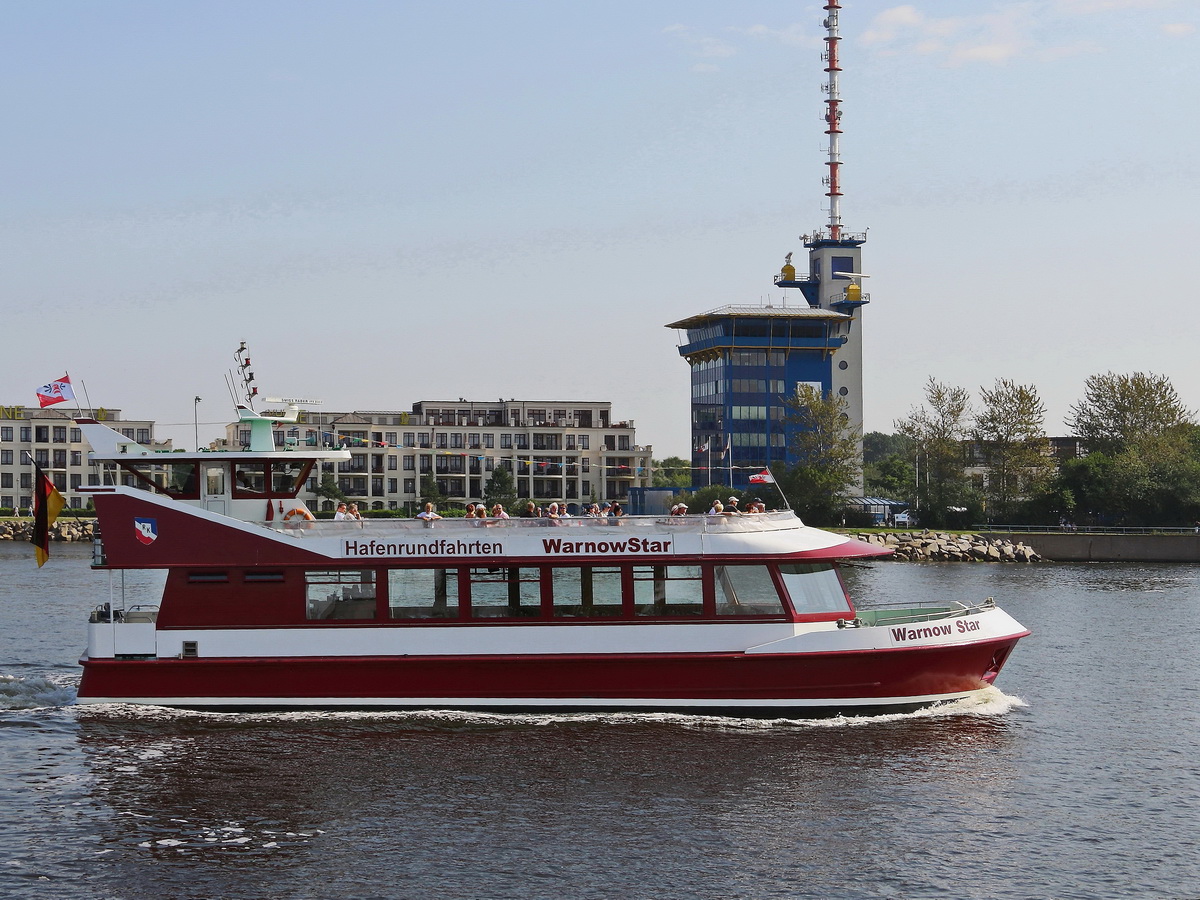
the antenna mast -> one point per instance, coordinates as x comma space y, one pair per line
833, 118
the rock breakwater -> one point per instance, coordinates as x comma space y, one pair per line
938, 546
62, 530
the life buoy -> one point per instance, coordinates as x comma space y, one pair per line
298, 511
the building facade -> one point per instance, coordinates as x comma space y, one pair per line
50, 438
565, 451
746, 360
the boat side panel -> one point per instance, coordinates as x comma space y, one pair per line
709, 677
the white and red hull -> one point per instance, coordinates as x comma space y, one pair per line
709, 683
789, 669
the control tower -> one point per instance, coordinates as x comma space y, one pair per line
746, 359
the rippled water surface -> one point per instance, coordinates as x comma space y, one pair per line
1079, 777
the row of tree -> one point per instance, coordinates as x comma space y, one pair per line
960, 464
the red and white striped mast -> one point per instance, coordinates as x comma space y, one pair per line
833, 118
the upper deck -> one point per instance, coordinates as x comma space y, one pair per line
142, 529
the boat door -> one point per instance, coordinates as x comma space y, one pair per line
216, 487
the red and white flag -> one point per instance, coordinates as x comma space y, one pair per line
56, 392
763, 477
704, 448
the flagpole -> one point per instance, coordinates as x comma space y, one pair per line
91, 410
775, 481
37, 471
67, 377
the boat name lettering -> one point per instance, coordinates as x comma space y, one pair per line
962, 626
633, 545
440, 547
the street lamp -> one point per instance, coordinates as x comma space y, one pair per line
196, 419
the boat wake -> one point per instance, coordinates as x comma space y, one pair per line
36, 691
990, 702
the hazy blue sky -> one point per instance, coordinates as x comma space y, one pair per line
397, 201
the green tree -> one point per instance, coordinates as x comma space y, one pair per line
891, 477
825, 447
1012, 444
1143, 464
1155, 482
500, 488
878, 446
328, 488
1118, 411
430, 492
938, 431
672, 472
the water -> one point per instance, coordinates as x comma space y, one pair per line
1080, 779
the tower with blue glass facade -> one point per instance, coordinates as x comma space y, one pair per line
746, 359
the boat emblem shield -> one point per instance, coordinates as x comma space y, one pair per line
146, 530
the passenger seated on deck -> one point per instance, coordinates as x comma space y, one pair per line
341, 513
498, 512
427, 513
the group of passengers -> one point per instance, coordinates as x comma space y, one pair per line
480, 511
728, 508
559, 511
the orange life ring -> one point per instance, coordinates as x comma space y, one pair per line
299, 511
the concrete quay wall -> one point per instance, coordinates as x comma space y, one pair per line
1081, 546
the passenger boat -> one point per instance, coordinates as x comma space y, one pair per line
266, 607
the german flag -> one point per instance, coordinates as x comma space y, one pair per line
47, 504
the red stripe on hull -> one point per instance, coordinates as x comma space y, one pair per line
662, 678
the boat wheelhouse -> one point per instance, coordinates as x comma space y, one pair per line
263, 606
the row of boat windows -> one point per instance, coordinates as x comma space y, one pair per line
584, 592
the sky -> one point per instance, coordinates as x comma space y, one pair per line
402, 201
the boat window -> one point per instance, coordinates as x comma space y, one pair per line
501, 592
340, 594
746, 591
288, 477
668, 590
815, 588
587, 592
208, 577
214, 480
422, 593
177, 480
250, 478
262, 577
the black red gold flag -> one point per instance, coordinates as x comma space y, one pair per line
47, 504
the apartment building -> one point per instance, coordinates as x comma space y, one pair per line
50, 438
566, 451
